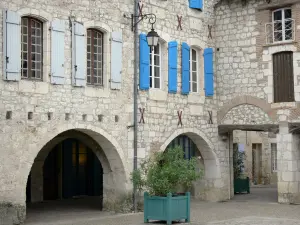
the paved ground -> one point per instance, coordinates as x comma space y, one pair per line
257, 208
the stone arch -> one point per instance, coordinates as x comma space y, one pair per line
205, 146
114, 155
254, 102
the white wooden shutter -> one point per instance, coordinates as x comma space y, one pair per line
58, 52
116, 60
78, 55
11, 45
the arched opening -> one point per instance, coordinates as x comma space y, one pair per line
210, 187
72, 172
190, 150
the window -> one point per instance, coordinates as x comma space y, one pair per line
274, 156
282, 27
186, 144
283, 77
94, 57
155, 67
194, 70
32, 48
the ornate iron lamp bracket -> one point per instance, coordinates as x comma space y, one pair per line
150, 16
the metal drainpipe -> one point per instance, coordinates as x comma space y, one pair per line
135, 93
230, 169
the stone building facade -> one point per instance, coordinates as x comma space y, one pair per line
260, 162
257, 60
67, 87
75, 85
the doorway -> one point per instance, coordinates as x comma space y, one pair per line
71, 170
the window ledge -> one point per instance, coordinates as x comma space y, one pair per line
284, 105
280, 43
96, 91
157, 94
33, 86
198, 97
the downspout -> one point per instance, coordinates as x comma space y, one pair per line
135, 93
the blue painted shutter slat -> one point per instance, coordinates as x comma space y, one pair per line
58, 52
185, 60
172, 83
208, 72
144, 63
196, 4
116, 60
79, 55
11, 45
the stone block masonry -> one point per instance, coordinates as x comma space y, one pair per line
34, 114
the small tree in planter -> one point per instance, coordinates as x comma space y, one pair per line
161, 176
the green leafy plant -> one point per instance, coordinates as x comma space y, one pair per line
238, 162
165, 172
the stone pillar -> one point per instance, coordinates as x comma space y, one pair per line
37, 181
287, 165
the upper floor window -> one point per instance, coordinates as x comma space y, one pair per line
32, 48
94, 57
194, 70
155, 67
282, 27
283, 77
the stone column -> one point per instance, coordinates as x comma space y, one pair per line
287, 165
37, 181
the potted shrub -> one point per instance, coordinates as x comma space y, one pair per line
161, 176
241, 182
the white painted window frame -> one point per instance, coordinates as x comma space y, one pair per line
151, 55
197, 70
283, 20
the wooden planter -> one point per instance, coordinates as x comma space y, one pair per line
242, 185
169, 208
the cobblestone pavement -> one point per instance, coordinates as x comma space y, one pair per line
242, 210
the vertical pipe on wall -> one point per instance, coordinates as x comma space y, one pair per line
230, 169
135, 90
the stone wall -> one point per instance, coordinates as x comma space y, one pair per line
92, 110
260, 141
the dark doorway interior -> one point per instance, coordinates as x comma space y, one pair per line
72, 170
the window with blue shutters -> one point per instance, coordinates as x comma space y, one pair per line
196, 4
155, 67
144, 63
208, 72
194, 70
172, 58
185, 68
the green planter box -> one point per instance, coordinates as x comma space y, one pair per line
242, 185
170, 208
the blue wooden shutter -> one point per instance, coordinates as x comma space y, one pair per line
196, 4
185, 61
11, 45
144, 63
116, 60
78, 55
208, 72
172, 83
58, 52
